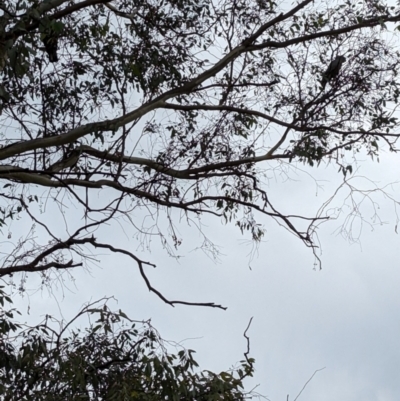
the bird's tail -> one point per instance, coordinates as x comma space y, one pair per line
324, 81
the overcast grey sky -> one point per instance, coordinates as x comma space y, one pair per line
344, 318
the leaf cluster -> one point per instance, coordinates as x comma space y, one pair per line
113, 358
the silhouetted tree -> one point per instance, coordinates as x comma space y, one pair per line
163, 106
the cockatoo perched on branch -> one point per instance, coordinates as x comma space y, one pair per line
333, 70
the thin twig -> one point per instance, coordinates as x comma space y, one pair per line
308, 381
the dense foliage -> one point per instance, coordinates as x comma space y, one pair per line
180, 105
114, 358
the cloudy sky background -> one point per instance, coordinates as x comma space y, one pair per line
344, 318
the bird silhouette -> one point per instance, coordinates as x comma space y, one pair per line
333, 70
50, 42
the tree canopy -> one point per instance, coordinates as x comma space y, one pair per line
115, 113
176, 109
114, 358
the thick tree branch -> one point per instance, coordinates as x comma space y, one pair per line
368, 23
29, 268
233, 109
280, 18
